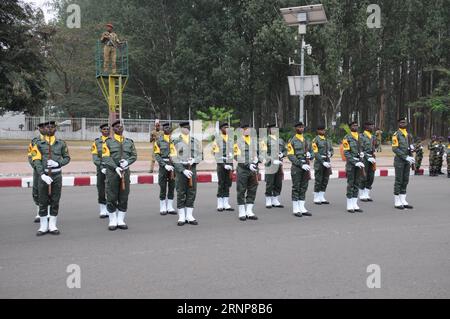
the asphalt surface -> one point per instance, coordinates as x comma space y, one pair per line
279, 256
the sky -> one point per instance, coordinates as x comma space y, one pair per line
41, 4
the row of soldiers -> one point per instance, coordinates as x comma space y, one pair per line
178, 157
438, 153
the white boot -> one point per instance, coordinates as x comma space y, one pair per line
52, 225
404, 202
43, 229
220, 204
323, 199
249, 212
162, 207
355, 205
276, 202
367, 194
398, 202
190, 217
317, 199
268, 202
112, 221
242, 212
226, 204
181, 216
103, 211
170, 208
362, 194
350, 208
121, 220
303, 209
296, 208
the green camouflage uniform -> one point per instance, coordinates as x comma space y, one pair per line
434, 149
274, 173
223, 153
368, 142
323, 151
246, 152
183, 149
440, 157
297, 150
40, 155
352, 150
96, 151
114, 150
419, 155
401, 148
161, 149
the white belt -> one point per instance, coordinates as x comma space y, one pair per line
54, 170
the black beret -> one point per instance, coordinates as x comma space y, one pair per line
321, 127
403, 119
166, 125
116, 123
41, 125
223, 125
185, 124
244, 126
103, 126
51, 123
353, 123
299, 124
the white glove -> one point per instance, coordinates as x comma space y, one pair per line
306, 167
412, 148
104, 171
191, 161
47, 179
119, 171
276, 162
280, 155
330, 155
308, 155
445, 155
52, 164
123, 163
228, 167
360, 165
256, 161
361, 155
411, 160
188, 173
253, 167
372, 160
327, 165
438, 153
169, 168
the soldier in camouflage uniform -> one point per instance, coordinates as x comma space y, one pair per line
35, 191
49, 156
433, 146
323, 152
111, 42
166, 174
246, 152
96, 150
275, 150
448, 156
419, 155
186, 154
440, 155
403, 149
368, 142
298, 151
154, 136
223, 153
354, 155
118, 154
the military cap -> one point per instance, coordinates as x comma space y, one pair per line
244, 126
321, 127
368, 123
299, 124
403, 119
51, 123
166, 124
116, 123
186, 124
103, 126
41, 125
110, 25
353, 123
223, 125
271, 125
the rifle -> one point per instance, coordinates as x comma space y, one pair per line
328, 159
308, 161
374, 166
362, 169
171, 173
410, 152
190, 181
49, 168
122, 178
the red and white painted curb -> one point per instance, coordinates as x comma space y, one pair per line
69, 181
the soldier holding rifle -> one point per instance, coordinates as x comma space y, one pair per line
404, 161
223, 153
186, 154
247, 155
355, 167
323, 151
368, 143
49, 156
300, 156
118, 154
166, 174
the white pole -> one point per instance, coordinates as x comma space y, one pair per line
302, 78
276, 119
253, 119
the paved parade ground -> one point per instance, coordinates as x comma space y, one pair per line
279, 256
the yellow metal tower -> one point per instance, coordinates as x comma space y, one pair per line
113, 85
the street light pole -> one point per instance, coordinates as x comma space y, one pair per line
302, 76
